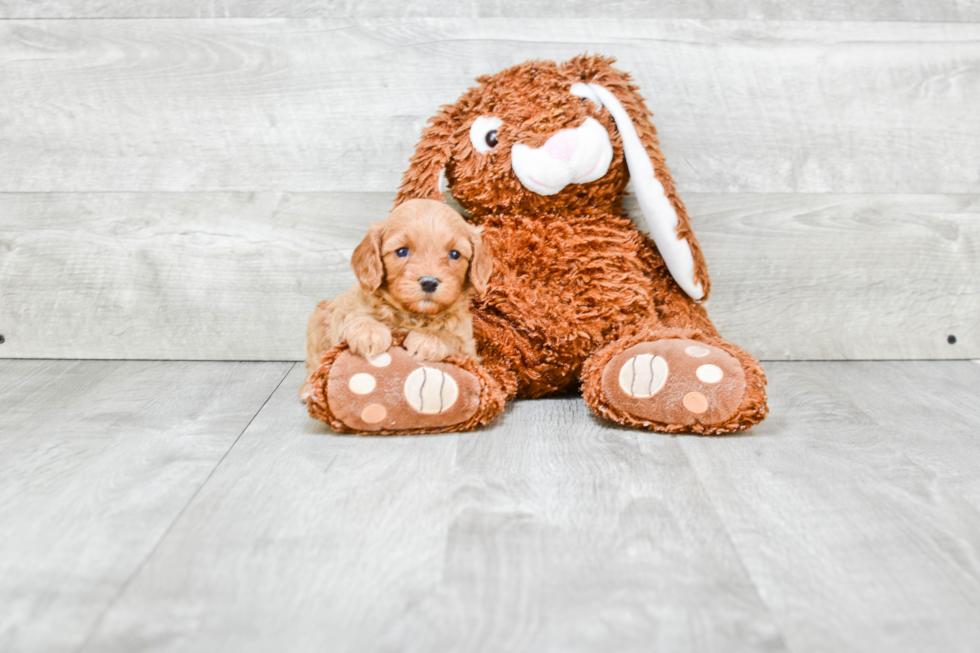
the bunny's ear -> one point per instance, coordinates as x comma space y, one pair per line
421, 180
664, 213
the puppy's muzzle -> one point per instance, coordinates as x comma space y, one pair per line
429, 284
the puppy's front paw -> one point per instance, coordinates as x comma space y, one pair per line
426, 346
369, 339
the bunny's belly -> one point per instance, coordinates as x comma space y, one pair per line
567, 285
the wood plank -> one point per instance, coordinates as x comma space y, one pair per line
549, 531
97, 459
234, 276
173, 276
336, 105
832, 277
874, 10
855, 505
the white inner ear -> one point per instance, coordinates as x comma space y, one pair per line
582, 90
661, 218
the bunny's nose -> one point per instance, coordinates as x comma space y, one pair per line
429, 284
562, 145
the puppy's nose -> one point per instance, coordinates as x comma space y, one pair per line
429, 284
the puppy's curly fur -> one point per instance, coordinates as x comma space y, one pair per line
416, 272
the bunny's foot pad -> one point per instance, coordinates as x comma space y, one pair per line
675, 382
398, 394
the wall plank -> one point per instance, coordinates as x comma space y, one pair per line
336, 105
872, 10
831, 277
235, 275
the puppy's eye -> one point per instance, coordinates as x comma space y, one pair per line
483, 133
453, 254
401, 252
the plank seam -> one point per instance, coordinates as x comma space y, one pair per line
389, 192
360, 19
139, 568
731, 541
171, 360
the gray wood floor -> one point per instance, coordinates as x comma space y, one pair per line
174, 506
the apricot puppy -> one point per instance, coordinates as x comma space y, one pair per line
416, 271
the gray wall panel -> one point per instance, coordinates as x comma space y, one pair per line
235, 275
336, 106
871, 10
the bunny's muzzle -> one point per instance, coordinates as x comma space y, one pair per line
570, 156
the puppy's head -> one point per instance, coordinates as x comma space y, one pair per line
422, 258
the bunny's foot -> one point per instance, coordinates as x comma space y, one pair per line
676, 385
395, 393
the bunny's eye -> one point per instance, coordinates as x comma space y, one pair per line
483, 133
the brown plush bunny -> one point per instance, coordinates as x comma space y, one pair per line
539, 155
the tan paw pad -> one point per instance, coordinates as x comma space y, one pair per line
374, 413
695, 402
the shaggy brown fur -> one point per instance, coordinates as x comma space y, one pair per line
415, 242
575, 283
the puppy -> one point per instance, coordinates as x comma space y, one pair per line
416, 272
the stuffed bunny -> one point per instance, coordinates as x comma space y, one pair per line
540, 155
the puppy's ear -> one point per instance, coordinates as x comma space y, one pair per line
481, 265
665, 215
421, 180
366, 261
